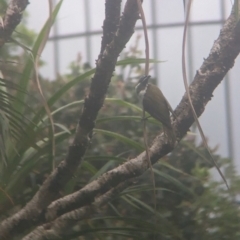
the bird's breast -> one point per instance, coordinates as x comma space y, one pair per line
141, 95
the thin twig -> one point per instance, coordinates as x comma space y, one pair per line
184, 72
149, 160
48, 111
145, 36
144, 119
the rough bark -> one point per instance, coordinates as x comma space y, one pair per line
62, 225
11, 19
111, 22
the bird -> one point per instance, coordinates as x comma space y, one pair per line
154, 102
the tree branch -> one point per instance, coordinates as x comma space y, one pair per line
11, 19
111, 22
62, 226
221, 58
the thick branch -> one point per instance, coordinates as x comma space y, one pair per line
111, 22
11, 19
62, 226
220, 60
105, 67
33, 212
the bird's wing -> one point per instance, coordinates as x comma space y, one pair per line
156, 105
170, 109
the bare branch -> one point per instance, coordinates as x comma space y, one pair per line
111, 22
62, 226
220, 60
11, 19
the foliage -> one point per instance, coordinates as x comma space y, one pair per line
190, 205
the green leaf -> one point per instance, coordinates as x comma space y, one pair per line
114, 100
124, 104
24, 80
129, 61
143, 205
174, 181
82, 77
70, 105
29, 160
169, 166
107, 166
142, 188
106, 158
62, 127
193, 148
109, 230
88, 166
60, 92
121, 138
126, 199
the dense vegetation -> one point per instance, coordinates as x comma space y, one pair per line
190, 204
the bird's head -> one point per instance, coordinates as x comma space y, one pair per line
142, 83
